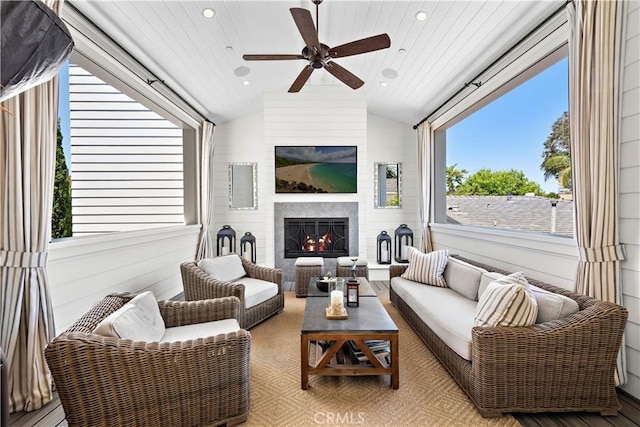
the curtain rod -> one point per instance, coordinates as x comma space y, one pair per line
149, 81
478, 84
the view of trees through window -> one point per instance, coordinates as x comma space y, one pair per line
509, 163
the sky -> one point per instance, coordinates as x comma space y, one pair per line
63, 111
510, 132
507, 134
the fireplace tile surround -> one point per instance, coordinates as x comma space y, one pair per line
311, 210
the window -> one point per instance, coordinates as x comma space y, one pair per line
126, 160
508, 163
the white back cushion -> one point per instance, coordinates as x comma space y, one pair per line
463, 278
137, 320
227, 268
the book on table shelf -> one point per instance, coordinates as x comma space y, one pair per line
380, 348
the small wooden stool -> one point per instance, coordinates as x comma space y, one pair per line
344, 264
306, 268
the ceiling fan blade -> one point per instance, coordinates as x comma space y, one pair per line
344, 75
304, 22
370, 44
270, 57
301, 79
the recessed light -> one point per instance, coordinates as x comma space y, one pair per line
421, 16
208, 12
246, 83
402, 51
383, 84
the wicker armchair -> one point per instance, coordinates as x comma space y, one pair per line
198, 285
115, 382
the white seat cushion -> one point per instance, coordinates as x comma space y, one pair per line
200, 330
345, 261
257, 291
447, 313
310, 261
227, 268
137, 320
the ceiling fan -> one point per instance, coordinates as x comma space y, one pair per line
319, 55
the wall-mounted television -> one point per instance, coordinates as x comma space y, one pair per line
316, 169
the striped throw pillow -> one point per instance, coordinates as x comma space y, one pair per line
507, 302
427, 268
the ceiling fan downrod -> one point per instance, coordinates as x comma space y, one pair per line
317, 3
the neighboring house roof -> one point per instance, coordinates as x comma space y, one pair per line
514, 212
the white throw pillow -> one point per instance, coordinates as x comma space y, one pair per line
227, 268
507, 302
137, 320
427, 268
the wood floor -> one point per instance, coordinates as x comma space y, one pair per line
52, 415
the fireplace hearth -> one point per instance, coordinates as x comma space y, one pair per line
324, 237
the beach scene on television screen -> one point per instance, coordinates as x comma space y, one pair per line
316, 169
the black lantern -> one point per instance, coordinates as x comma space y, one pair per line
403, 240
226, 242
384, 248
353, 292
248, 246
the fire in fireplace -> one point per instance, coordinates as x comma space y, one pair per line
326, 237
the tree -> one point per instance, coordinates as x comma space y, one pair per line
61, 218
455, 177
486, 182
556, 155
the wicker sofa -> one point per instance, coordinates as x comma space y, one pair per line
106, 381
561, 365
200, 285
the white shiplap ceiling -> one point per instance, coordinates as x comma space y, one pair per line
197, 56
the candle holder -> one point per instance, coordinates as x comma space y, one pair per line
336, 309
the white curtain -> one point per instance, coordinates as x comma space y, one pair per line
207, 143
593, 115
426, 171
28, 129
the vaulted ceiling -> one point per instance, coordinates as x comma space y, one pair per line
201, 58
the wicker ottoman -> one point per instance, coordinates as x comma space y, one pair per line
344, 264
306, 268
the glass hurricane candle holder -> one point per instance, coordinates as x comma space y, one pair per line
336, 296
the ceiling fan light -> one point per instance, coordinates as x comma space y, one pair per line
421, 16
208, 12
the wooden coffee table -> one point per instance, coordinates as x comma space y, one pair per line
369, 321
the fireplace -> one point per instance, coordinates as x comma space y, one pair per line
324, 237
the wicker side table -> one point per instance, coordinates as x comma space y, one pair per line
344, 264
306, 268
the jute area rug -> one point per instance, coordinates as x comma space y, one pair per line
428, 395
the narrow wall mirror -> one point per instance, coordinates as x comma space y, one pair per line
387, 185
243, 186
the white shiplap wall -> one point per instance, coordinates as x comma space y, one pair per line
126, 161
327, 115
630, 191
84, 270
